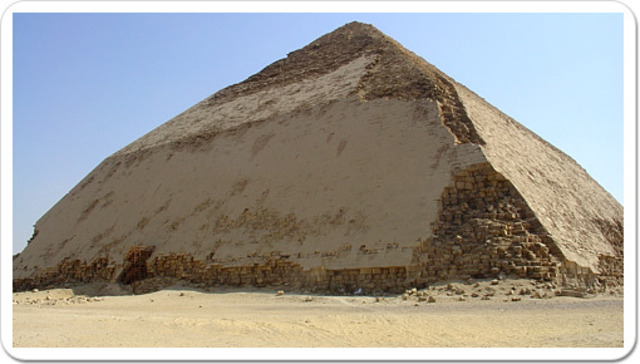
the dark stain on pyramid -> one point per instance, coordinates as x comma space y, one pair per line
395, 73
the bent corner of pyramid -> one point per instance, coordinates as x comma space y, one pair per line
350, 165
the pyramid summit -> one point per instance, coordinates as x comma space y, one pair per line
391, 71
351, 163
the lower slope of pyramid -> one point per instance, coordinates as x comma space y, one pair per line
584, 221
340, 186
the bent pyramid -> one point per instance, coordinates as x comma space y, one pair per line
352, 163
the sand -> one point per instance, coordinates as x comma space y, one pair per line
183, 317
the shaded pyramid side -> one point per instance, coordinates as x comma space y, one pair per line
583, 222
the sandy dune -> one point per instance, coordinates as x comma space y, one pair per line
181, 317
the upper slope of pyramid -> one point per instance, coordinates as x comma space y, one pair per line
405, 70
324, 55
355, 59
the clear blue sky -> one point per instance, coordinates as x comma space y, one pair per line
86, 85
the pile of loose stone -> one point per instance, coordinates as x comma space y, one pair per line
513, 290
44, 298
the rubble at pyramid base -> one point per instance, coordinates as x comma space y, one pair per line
277, 271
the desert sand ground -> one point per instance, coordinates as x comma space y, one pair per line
184, 317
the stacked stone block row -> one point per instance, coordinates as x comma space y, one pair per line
70, 271
274, 271
366, 280
612, 267
278, 270
485, 228
162, 271
454, 115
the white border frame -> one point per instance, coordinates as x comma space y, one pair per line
369, 354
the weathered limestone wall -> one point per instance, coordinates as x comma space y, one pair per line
162, 271
570, 204
70, 271
484, 229
346, 185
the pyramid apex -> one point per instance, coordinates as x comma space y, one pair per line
321, 56
356, 36
356, 26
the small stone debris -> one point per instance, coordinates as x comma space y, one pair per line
495, 282
34, 290
280, 293
431, 299
181, 294
422, 298
571, 293
53, 301
516, 299
405, 297
307, 299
